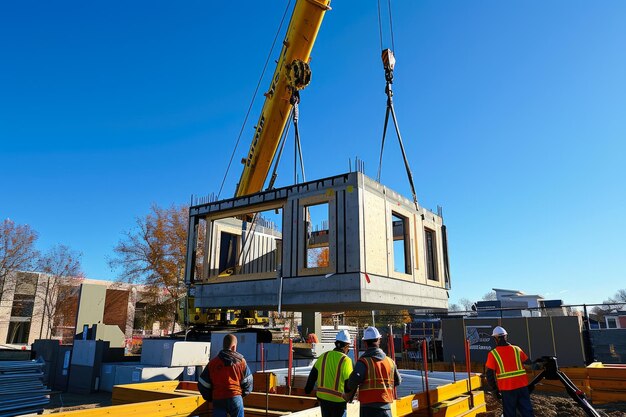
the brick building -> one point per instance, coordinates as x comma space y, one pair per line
35, 305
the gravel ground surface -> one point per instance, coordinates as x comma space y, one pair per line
70, 402
554, 405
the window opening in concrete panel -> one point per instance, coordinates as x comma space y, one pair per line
229, 251
250, 245
200, 249
401, 247
317, 236
431, 255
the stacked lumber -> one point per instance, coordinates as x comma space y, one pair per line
175, 396
459, 406
607, 382
21, 388
453, 399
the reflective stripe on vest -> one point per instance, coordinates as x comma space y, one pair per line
518, 361
379, 381
329, 385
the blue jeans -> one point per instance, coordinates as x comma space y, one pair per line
517, 399
231, 406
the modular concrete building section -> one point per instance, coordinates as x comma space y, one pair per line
344, 242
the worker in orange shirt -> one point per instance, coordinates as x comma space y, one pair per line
226, 380
506, 375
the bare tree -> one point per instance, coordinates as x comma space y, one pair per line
619, 299
62, 273
454, 307
615, 303
466, 303
490, 296
153, 254
17, 249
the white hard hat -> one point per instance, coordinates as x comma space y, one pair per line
498, 331
371, 333
343, 336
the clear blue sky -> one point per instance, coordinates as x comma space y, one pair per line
513, 115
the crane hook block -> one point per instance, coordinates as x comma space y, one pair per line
389, 60
299, 74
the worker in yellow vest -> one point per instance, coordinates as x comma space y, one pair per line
331, 371
506, 375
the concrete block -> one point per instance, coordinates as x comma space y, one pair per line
254, 366
110, 333
46, 349
107, 375
274, 351
167, 352
62, 368
144, 373
84, 352
276, 365
191, 373
246, 344
319, 348
83, 379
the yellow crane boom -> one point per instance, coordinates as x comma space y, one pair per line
291, 74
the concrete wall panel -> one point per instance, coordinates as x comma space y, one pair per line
518, 329
568, 340
541, 337
533, 334
375, 240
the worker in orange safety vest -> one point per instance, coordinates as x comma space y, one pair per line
507, 377
331, 371
375, 375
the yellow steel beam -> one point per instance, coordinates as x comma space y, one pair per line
183, 406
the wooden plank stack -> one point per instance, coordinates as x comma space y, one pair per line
607, 382
450, 400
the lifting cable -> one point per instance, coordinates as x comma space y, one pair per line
295, 100
245, 248
380, 26
270, 186
389, 62
256, 90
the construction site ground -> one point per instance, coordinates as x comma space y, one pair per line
69, 401
547, 404
544, 405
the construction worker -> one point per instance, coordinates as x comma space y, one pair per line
376, 375
331, 371
226, 380
507, 377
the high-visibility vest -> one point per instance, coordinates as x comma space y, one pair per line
510, 372
333, 369
379, 381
